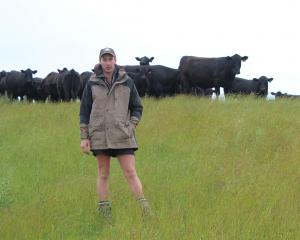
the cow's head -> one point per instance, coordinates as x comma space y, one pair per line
35, 88
2, 82
235, 63
144, 60
28, 75
2, 74
74, 77
37, 83
262, 85
141, 79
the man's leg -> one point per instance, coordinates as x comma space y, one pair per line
103, 176
103, 184
127, 162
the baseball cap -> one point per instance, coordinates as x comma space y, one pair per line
107, 50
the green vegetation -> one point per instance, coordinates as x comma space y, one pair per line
211, 170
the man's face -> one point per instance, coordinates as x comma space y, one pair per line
108, 63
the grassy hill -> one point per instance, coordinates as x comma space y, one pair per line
211, 170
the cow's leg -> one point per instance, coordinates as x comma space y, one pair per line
226, 90
66, 91
54, 96
9, 95
59, 93
217, 90
157, 92
185, 84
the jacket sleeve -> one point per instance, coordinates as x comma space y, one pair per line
135, 105
85, 111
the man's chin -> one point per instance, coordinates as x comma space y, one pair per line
108, 70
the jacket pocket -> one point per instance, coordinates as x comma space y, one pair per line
96, 125
124, 129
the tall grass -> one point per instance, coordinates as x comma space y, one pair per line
211, 170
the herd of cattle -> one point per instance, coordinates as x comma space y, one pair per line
195, 75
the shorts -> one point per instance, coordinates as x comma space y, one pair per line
114, 152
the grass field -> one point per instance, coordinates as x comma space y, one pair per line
210, 169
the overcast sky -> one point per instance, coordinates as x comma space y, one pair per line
46, 35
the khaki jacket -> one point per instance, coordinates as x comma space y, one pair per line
109, 115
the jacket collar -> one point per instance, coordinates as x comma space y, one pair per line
119, 76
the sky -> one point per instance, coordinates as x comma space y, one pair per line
50, 35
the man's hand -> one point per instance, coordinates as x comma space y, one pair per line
85, 146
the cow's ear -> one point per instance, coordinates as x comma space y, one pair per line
34, 72
151, 59
93, 70
137, 58
244, 58
59, 70
272, 93
22, 71
270, 79
255, 79
228, 58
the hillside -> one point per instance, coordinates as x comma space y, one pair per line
211, 170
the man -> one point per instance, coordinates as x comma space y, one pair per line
110, 110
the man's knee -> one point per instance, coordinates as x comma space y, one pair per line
130, 173
103, 174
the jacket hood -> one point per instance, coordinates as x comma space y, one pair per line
119, 75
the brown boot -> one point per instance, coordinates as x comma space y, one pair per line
145, 206
105, 210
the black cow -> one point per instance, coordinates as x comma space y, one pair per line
155, 80
49, 86
59, 82
140, 76
2, 82
163, 81
19, 83
285, 95
257, 86
36, 91
84, 78
68, 84
144, 61
209, 72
